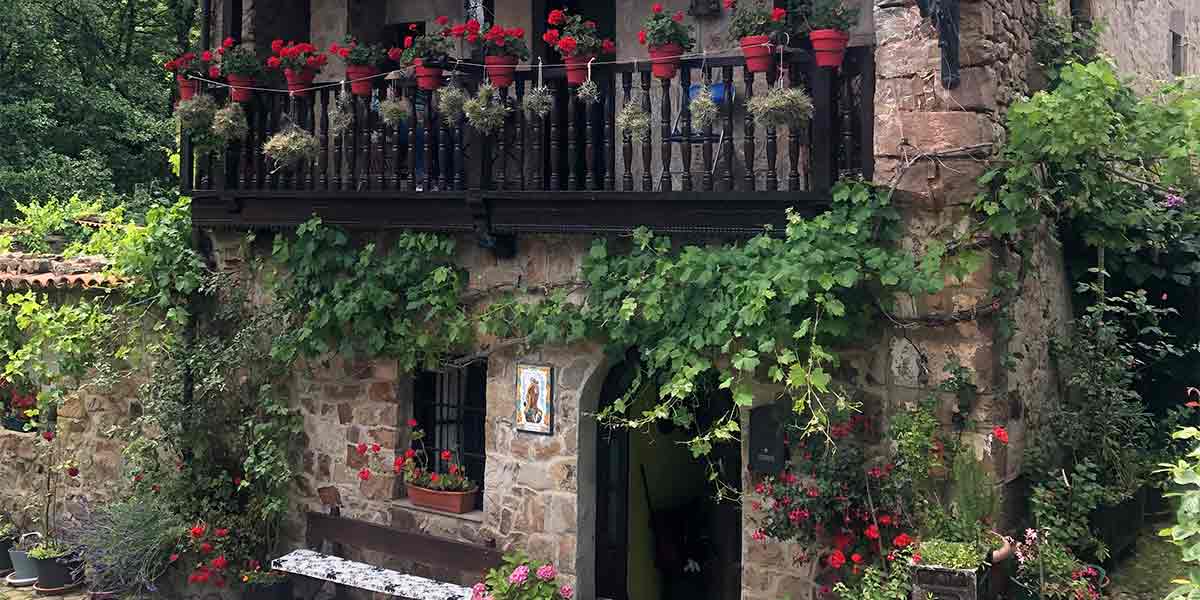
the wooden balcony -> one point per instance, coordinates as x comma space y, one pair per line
572, 171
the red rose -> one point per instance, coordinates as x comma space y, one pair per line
872, 531
214, 72
408, 42
551, 36
273, 62
556, 17
837, 559
902, 540
678, 17
48, 435
205, 548
657, 8
228, 43
1001, 434
778, 14
608, 47
72, 472
642, 37
364, 474
277, 46
442, 20
567, 45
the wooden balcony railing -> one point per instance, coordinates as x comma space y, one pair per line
576, 151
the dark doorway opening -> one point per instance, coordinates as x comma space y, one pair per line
661, 533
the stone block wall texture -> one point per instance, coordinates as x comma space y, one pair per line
1137, 35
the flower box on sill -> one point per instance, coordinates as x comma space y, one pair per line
452, 502
944, 583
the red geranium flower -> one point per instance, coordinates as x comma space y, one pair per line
642, 37
214, 72
197, 531
408, 41
885, 519
856, 558
72, 472
173, 558
48, 435
205, 548
412, 26
678, 17
556, 17
445, 455
395, 53
872, 531
567, 45
361, 448
410, 453
376, 448
433, 477
916, 558
228, 43
364, 474
551, 36
273, 62
608, 47
277, 46
472, 26
657, 8
1001, 434
207, 56
778, 14
219, 563
442, 20
837, 559
730, 4
453, 469
902, 540
221, 533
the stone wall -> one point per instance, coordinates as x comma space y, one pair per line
1137, 35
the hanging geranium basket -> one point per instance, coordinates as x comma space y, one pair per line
576, 41
752, 24
190, 66
668, 38
428, 52
241, 68
300, 63
362, 63
503, 48
829, 23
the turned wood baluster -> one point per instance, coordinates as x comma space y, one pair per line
290, 112
398, 145
685, 119
610, 142
572, 142
350, 147
502, 148
460, 162
311, 170
555, 159
664, 178
369, 156
520, 135
538, 159
726, 149
323, 158
245, 153
445, 147
430, 119
589, 167
772, 140
410, 150
647, 178
706, 151
381, 151
276, 107
748, 138
626, 138
793, 184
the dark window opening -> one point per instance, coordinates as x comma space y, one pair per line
1177, 56
450, 406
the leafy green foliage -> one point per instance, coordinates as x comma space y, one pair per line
1063, 503
1061, 39
951, 555
1185, 533
894, 583
518, 578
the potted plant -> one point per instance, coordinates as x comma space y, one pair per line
24, 571
829, 23
449, 490
126, 545
519, 578
503, 48
576, 40
57, 566
241, 68
1046, 570
300, 63
8, 537
266, 585
428, 52
362, 63
16, 417
753, 24
668, 38
953, 568
190, 65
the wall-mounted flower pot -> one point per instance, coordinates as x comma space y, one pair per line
281, 590
577, 69
829, 46
757, 50
298, 82
664, 60
943, 583
428, 78
5, 559
363, 86
57, 573
451, 502
187, 87
240, 91
500, 70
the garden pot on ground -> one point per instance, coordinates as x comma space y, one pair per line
757, 52
23, 567
187, 87
942, 583
428, 78
5, 559
12, 423
664, 60
240, 91
281, 590
57, 573
577, 69
451, 502
298, 81
1118, 526
361, 72
500, 69
829, 46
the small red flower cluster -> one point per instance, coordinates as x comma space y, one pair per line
501, 36
202, 65
208, 570
575, 36
342, 51
296, 56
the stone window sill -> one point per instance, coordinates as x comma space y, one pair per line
475, 516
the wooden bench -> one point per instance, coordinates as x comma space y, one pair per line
431, 568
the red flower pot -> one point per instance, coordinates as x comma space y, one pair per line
664, 60
500, 69
757, 52
451, 502
298, 81
361, 72
829, 46
428, 78
240, 91
187, 87
577, 68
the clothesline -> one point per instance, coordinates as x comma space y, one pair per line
462, 63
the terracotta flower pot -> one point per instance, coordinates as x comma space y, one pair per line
240, 91
428, 78
451, 502
757, 52
829, 45
664, 60
187, 87
360, 72
500, 69
577, 68
298, 81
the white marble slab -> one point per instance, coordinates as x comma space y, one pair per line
336, 569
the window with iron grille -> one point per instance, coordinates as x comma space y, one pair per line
450, 405
1177, 54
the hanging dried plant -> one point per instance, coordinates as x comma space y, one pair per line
781, 107
229, 124
634, 120
395, 110
196, 114
450, 103
703, 108
589, 92
341, 113
485, 112
291, 146
538, 101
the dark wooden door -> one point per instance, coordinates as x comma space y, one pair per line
612, 491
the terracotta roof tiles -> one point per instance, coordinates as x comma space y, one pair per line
47, 271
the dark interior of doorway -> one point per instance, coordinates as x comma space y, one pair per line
660, 532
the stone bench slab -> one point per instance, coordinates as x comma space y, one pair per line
336, 569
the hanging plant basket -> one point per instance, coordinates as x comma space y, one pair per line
299, 81
428, 78
360, 85
577, 71
290, 147
394, 111
538, 101
240, 92
486, 112
187, 87
829, 46
664, 60
781, 107
757, 51
500, 70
